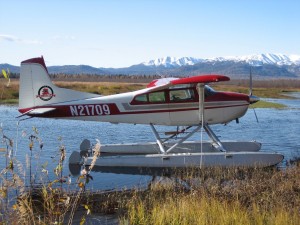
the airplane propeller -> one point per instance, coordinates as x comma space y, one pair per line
252, 99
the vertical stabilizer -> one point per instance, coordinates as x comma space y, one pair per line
36, 88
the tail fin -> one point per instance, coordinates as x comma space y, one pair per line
36, 88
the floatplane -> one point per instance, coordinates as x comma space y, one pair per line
181, 102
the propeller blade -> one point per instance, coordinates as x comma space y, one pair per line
250, 82
252, 98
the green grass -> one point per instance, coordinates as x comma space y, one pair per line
265, 104
262, 92
9, 101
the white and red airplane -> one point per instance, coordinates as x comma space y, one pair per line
167, 101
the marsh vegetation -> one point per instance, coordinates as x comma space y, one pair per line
220, 196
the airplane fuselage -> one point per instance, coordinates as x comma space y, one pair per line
158, 107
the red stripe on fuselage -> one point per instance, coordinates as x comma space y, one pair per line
107, 110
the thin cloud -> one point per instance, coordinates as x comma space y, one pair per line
60, 37
32, 42
11, 38
95, 49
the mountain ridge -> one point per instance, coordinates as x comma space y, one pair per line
263, 66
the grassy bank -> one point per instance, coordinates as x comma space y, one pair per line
265, 104
210, 196
214, 196
103, 88
221, 196
262, 92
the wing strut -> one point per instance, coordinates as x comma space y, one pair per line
216, 143
215, 140
160, 142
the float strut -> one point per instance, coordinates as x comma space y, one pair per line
158, 140
216, 142
160, 143
184, 138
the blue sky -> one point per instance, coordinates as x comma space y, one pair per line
123, 33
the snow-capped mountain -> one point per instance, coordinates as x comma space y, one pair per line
268, 58
172, 61
257, 59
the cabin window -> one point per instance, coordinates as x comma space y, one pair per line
156, 97
141, 98
181, 95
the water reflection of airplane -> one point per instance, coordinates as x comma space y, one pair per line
177, 102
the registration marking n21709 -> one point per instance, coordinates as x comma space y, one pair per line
89, 110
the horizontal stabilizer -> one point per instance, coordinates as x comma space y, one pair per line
38, 111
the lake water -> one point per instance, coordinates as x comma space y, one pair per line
277, 130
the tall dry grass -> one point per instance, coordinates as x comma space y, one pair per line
38, 199
221, 196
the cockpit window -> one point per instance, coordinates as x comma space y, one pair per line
141, 98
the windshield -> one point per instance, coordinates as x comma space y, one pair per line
208, 91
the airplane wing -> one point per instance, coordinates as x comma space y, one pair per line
168, 82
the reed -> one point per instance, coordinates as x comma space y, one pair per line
40, 200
